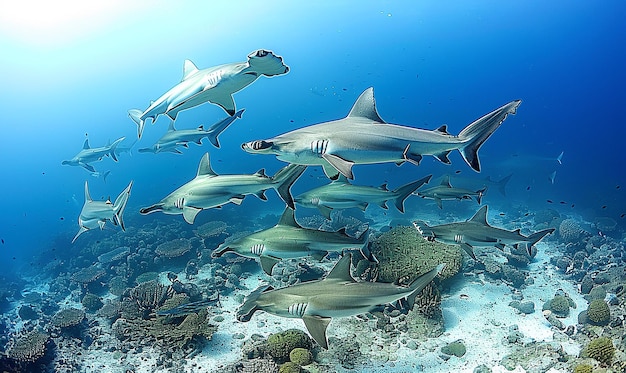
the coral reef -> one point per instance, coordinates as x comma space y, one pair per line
91, 302
301, 356
598, 312
67, 318
570, 230
89, 274
148, 296
28, 347
403, 253
174, 248
600, 349
583, 368
211, 229
559, 305
279, 345
114, 255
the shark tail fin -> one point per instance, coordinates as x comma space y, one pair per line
477, 132
405, 191
215, 132
502, 184
135, 115
536, 237
250, 305
114, 147
120, 205
284, 179
420, 283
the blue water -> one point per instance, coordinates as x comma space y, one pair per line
429, 63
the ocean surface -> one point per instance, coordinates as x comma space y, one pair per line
72, 71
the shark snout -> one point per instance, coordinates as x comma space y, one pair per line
221, 251
151, 209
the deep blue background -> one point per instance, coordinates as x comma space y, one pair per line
430, 63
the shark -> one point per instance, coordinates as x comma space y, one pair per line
445, 191
475, 183
363, 137
477, 232
174, 138
88, 154
215, 85
317, 302
95, 214
341, 194
210, 190
288, 239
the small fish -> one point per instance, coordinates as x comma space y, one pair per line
501, 214
528, 187
457, 171
621, 216
604, 206
563, 202
549, 200
3, 241
617, 187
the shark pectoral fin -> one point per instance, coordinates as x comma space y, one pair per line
363, 206
325, 210
190, 213
319, 255
439, 203
88, 167
261, 195
330, 171
267, 263
80, 231
412, 158
468, 249
340, 164
500, 246
226, 102
316, 325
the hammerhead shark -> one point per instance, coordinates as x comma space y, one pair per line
477, 232
448, 192
337, 295
208, 190
288, 239
88, 154
342, 194
95, 214
174, 138
215, 84
364, 138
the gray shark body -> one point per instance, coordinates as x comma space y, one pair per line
476, 183
364, 138
288, 239
95, 214
215, 84
477, 232
173, 138
89, 155
337, 295
341, 194
209, 190
445, 191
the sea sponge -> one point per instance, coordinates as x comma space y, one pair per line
279, 345
403, 253
28, 347
601, 349
301, 356
67, 318
598, 312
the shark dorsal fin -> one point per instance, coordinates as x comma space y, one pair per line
443, 129
189, 68
261, 173
365, 107
480, 216
87, 196
171, 126
341, 270
445, 181
288, 218
86, 144
204, 169
383, 187
201, 127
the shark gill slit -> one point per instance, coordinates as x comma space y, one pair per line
297, 309
257, 249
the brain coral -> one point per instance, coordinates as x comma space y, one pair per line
402, 251
68, 317
28, 347
174, 248
598, 312
570, 230
601, 349
279, 345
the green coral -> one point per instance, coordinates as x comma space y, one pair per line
28, 347
403, 253
559, 305
289, 367
301, 356
279, 345
601, 349
583, 368
456, 348
92, 302
598, 312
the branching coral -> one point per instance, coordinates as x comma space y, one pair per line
28, 347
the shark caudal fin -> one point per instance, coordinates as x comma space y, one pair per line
477, 132
420, 283
250, 304
264, 62
501, 183
536, 237
220, 126
120, 205
135, 115
284, 179
405, 191
113, 147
